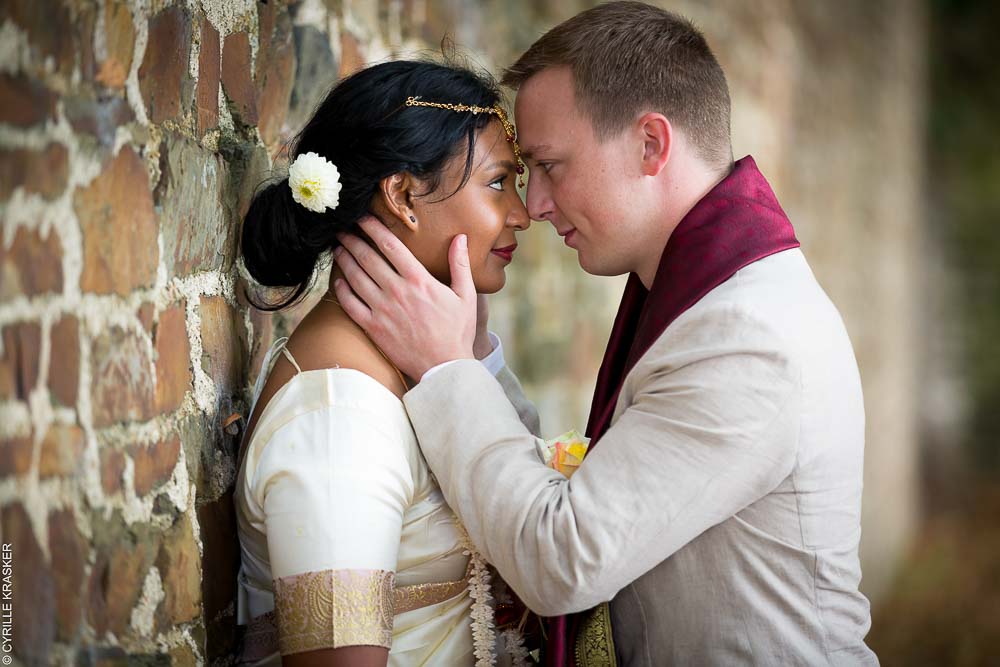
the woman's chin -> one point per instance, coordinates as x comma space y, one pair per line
489, 281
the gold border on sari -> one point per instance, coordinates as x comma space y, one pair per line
334, 608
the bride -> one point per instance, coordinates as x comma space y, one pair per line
349, 554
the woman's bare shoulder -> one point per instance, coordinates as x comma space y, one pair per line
338, 343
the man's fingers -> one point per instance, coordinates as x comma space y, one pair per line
352, 305
377, 268
398, 254
461, 271
362, 284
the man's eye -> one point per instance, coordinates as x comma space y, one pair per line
498, 183
545, 166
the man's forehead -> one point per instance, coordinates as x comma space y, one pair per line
547, 129
543, 103
538, 124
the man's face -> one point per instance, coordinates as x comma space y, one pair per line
581, 185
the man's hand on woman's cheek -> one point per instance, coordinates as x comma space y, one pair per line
416, 321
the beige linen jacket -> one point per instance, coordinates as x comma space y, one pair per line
719, 514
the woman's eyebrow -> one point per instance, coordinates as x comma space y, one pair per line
506, 164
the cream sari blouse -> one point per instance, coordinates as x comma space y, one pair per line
345, 538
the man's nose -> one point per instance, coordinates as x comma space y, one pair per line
538, 200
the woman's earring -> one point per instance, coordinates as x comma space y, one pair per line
412, 219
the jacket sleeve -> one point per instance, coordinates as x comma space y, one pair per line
525, 409
710, 427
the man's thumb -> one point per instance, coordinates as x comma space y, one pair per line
461, 271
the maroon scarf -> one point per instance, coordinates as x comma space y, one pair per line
737, 223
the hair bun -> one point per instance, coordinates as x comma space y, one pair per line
275, 250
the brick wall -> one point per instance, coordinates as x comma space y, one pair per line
131, 136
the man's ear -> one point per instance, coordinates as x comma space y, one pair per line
657, 135
397, 192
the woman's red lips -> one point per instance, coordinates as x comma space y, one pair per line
507, 253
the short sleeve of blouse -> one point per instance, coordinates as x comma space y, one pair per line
334, 484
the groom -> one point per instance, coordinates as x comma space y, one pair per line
716, 518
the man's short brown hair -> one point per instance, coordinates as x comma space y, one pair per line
629, 58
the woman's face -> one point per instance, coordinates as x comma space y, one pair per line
487, 209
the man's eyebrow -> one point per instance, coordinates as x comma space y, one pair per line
529, 152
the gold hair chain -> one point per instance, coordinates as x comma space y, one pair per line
496, 110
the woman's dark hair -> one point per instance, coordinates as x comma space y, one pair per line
365, 128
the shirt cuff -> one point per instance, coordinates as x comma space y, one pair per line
493, 361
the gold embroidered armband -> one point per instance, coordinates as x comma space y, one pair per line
334, 608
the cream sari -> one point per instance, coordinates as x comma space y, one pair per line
345, 537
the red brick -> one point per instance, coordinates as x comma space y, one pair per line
223, 343
112, 470
15, 456
116, 583
236, 81
25, 102
209, 76
120, 251
34, 589
86, 25
275, 69
146, 313
32, 265
64, 361
351, 58
40, 172
119, 35
69, 553
62, 451
164, 70
21, 345
180, 566
173, 360
122, 386
154, 463
8, 373
49, 28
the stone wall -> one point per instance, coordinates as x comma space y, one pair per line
131, 136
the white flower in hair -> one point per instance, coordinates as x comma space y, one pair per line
315, 182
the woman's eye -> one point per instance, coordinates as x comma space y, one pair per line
498, 184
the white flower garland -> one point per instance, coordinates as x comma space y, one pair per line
484, 636
513, 642
483, 629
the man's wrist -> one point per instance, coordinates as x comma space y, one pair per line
493, 360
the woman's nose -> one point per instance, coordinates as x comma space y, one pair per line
518, 218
